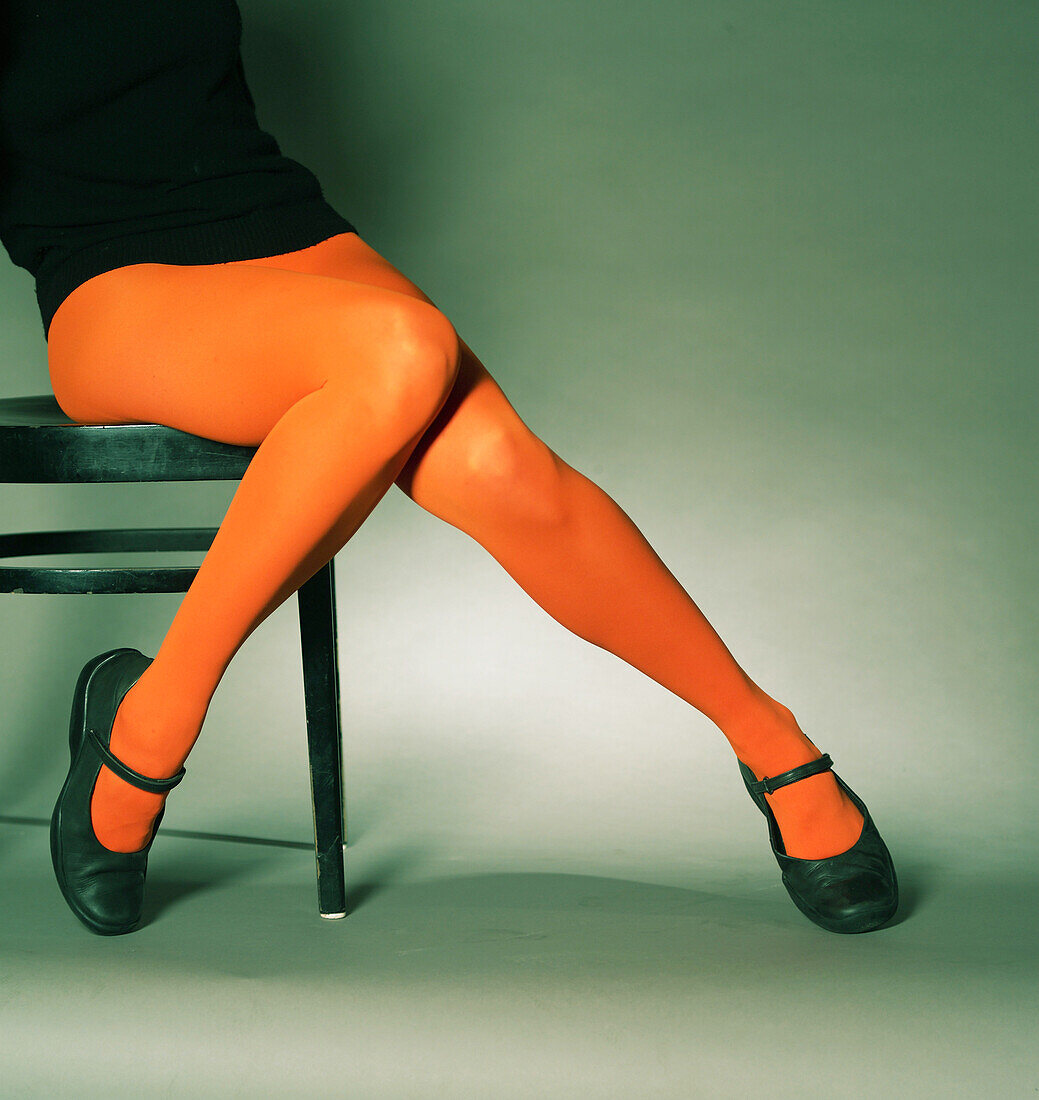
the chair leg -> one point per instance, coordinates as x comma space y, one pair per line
317, 624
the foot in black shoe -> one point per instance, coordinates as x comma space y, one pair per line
105, 889
816, 817
854, 891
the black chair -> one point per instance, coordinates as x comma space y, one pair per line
40, 444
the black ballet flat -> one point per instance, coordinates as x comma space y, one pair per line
853, 891
105, 889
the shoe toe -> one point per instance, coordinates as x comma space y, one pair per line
110, 900
859, 903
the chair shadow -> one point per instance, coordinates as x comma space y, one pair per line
178, 882
186, 834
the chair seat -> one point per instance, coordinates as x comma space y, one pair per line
39, 443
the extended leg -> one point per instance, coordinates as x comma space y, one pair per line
580, 557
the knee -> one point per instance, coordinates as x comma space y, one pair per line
422, 360
518, 475
410, 354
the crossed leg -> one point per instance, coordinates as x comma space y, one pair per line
477, 466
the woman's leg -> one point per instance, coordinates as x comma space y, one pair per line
334, 381
582, 559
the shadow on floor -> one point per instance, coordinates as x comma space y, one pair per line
187, 834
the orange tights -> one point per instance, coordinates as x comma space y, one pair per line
348, 379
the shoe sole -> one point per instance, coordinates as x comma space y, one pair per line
76, 738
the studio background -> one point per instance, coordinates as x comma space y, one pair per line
766, 273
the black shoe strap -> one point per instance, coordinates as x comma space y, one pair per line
768, 784
156, 786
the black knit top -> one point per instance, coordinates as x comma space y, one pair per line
128, 135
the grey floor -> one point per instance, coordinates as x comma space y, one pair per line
484, 976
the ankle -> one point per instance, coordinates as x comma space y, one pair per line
767, 738
123, 816
141, 745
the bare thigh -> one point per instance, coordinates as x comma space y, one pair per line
223, 350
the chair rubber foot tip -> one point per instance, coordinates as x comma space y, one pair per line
333, 916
